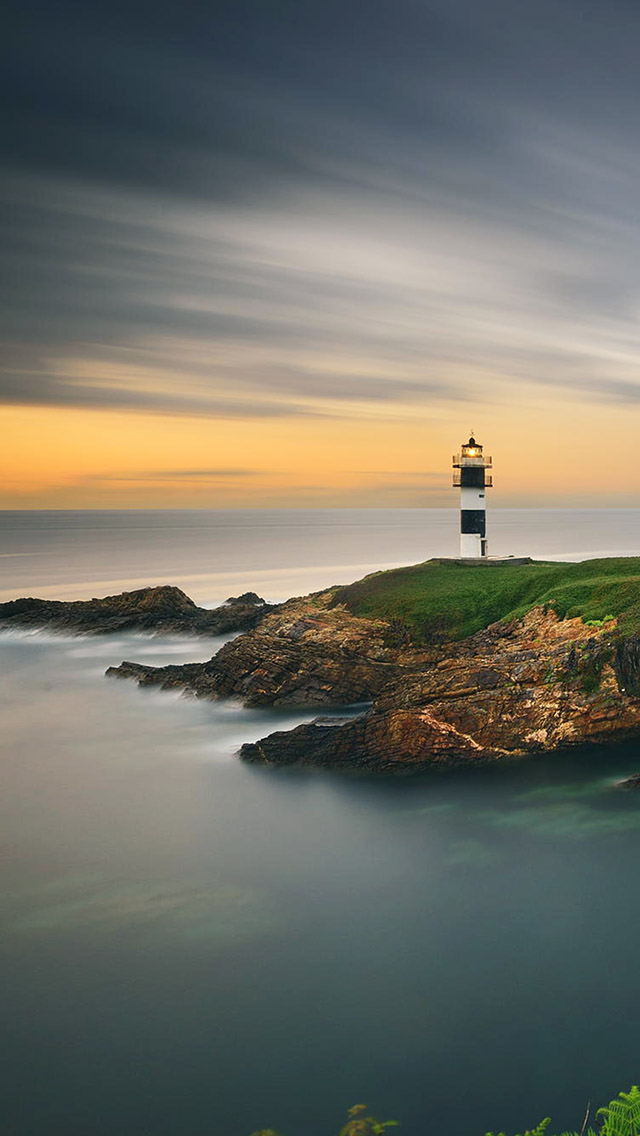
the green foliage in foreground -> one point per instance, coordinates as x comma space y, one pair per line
621, 1117
358, 1124
434, 602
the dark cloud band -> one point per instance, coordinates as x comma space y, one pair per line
259, 210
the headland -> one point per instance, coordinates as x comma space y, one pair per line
458, 664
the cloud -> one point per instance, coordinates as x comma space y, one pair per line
264, 211
179, 475
30, 390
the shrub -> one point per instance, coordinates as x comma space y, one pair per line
621, 1117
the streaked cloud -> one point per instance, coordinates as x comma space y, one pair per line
196, 475
259, 212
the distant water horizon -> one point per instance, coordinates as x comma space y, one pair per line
67, 554
190, 944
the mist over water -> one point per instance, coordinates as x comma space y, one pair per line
194, 945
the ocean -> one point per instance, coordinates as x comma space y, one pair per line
191, 945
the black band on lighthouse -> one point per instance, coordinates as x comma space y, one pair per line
472, 477
473, 521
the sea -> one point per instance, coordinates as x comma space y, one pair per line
192, 946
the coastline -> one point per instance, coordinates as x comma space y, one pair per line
540, 678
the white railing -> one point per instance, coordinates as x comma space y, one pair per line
457, 474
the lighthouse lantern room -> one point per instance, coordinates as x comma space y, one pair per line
469, 473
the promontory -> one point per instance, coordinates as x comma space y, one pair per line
451, 663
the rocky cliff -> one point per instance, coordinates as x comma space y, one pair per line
304, 653
537, 684
539, 678
534, 683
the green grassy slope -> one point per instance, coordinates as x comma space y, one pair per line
448, 601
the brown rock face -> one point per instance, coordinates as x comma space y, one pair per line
302, 654
539, 683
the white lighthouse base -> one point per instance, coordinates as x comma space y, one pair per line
472, 546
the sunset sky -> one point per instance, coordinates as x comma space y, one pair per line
289, 253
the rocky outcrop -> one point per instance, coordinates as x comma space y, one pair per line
162, 609
303, 654
537, 683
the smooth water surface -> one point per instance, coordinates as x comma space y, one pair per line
191, 945
211, 554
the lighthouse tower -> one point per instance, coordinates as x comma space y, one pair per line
469, 474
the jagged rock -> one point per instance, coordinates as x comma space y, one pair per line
303, 654
538, 684
166, 609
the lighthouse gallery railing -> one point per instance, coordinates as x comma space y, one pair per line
488, 481
459, 459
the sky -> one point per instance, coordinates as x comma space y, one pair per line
290, 253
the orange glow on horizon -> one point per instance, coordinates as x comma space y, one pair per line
80, 458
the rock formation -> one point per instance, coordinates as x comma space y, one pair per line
163, 609
538, 684
532, 684
304, 653
521, 685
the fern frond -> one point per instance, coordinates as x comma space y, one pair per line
621, 1117
586, 1132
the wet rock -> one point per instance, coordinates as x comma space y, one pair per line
163, 609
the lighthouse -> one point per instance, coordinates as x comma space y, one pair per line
469, 473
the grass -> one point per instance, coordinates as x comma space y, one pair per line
434, 602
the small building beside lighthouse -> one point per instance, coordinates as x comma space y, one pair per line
469, 473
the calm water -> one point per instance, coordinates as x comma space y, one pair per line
194, 946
